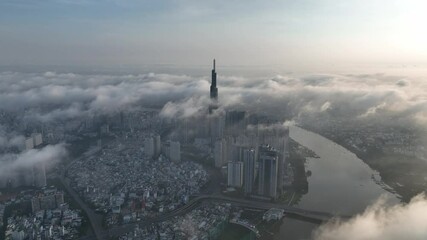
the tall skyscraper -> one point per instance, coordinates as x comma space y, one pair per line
237, 153
37, 139
172, 150
175, 151
268, 172
214, 89
249, 169
235, 174
277, 139
149, 147
29, 143
152, 146
157, 145
216, 125
219, 148
39, 175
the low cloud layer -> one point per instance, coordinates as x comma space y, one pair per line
379, 98
49, 155
52, 96
189, 107
381, 223
10, 139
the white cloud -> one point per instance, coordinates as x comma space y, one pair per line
325, 106
10, 138
373, 110
49, 155
50, 96
381, 222
194, 106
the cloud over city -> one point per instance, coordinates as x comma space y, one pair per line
54, 96
11, 164
381, 222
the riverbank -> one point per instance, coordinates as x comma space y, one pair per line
405, 175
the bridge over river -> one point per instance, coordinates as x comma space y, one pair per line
246, 203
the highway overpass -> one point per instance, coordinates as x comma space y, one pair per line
307, 214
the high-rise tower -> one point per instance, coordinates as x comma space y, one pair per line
249, 169
268, 172
214, 89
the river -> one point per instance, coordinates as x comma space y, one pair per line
340, 183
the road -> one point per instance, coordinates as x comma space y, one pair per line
314, 215
123, 229
95, 219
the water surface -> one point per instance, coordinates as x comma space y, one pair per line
340, 183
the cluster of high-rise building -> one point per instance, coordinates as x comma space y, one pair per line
172, 150
152, 146
255, 159
35, 141
235, 146
256, 170
47, 199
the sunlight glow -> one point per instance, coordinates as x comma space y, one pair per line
411, 31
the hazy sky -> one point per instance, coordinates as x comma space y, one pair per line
292, 33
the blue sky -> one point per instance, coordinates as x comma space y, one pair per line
294, 33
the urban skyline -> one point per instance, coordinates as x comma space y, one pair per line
117, 122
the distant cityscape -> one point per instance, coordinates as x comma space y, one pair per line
138, 166
134, 174
213, 120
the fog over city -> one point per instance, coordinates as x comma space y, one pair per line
49, 155
54, 96
372, 98
225, 120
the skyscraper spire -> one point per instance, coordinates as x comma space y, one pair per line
214, 89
